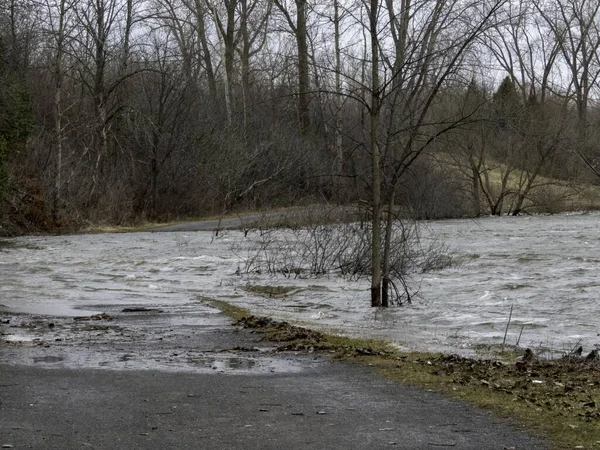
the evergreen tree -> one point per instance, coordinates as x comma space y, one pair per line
507, 104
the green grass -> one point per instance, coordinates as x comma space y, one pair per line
232, 311
308, 216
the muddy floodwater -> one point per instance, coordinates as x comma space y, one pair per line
547, 268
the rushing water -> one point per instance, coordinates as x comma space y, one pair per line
544, 267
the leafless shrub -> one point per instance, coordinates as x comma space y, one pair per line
344, 250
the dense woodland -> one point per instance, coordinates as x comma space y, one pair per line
120, 111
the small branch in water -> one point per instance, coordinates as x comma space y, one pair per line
520, 334
508, 324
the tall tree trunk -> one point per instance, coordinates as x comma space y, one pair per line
375, 157
299, 28
100, 96
389, 222
127, 37
227, 34
58, 127
245, 62
58, 109
205, 49
339, 152
475, 170
15, 57
303, 72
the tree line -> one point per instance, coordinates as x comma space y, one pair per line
124, 110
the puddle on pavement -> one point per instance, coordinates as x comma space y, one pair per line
136, 341
224, 363
185, 336
108, 359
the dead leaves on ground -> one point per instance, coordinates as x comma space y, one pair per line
566, 386
294, 338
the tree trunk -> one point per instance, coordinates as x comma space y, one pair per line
476, 188
100, 95
385, 302
154, 187
339, 153
204, 47
58, 110
375, 158
227, 34
127, 37
303, 72
245, 62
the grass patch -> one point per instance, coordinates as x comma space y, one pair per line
548, 195
559, 399
232, 311
502, 352
272, 291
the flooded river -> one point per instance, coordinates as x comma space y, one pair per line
545, 267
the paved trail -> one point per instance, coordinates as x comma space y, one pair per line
186, 379
216, 224
327, 212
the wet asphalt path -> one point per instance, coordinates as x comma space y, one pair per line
249, 220
187, 379
208, 225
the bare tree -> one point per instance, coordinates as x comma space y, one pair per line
299, 28
575, 25
426, 56
536, 124
59, 30
254, 30
228, 36
374, 111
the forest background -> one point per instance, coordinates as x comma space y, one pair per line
125, 111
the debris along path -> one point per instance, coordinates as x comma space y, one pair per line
185, 378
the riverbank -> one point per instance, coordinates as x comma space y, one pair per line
557, 397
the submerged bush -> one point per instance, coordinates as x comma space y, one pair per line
344, 250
